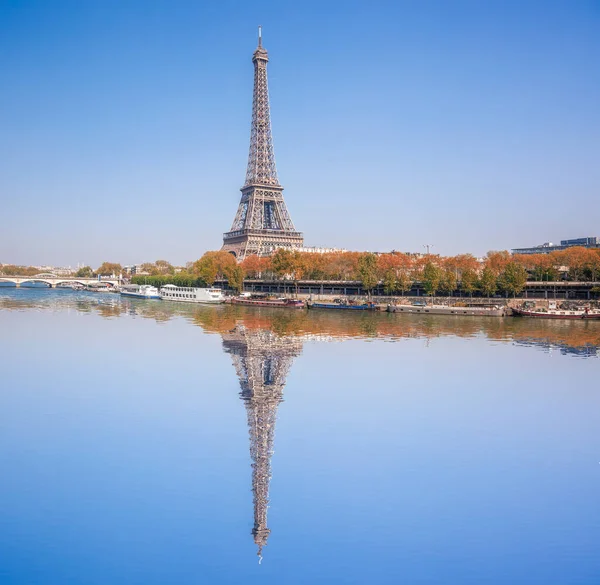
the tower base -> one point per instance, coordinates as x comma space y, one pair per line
242, 243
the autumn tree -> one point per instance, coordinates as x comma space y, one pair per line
394, 268
593, 264
315, 266
497, 261
575, 258
160, 267
291, 264
214, 266
255, 266
419, 263
164, 267
464, 262
13, 270
109, 268
540, 265
342, 265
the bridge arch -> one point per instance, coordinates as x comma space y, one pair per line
8, 279
57, 282
84, 282
34, 279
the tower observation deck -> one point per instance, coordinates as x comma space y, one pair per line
262, 222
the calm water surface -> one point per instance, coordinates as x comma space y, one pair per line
145, 442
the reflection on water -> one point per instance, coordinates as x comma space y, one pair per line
449, 450
263, 343
577, 338
262, 360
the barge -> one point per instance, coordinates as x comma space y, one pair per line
344, 305
256, 301
493, 311
557, 312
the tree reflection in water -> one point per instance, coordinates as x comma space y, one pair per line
581, 336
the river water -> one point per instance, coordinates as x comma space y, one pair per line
146, 442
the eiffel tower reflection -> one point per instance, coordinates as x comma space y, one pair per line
262, 360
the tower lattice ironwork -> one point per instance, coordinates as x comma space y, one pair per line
262, 360
262, 222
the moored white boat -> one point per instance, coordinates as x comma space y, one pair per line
186, 294
140, 291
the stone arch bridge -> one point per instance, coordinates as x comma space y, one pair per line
52, 280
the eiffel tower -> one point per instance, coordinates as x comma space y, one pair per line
262, 222
262, 360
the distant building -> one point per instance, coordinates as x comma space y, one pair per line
546, 248
58, 270
319, 250
134, 269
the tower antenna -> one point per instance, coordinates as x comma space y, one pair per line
259, 35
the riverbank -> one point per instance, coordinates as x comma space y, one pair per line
559, 290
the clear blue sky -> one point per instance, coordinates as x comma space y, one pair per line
124, 125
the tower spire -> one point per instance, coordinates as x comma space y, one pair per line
262, 223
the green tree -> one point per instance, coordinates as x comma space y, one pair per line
448, 283
468, 281
488, 282
235, 277
390, 282
179, 279
367, 271
404, 282
84, 272
432, 277
513, 278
